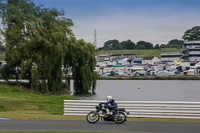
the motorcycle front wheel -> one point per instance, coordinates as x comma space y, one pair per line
92, 117
119, 118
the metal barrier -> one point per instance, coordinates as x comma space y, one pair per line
154, 109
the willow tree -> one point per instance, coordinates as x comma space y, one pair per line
39, 41
81, 59
36, 41
13, 20
48, 43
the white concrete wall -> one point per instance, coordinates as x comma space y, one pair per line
154, 109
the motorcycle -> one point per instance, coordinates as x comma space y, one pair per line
117, 115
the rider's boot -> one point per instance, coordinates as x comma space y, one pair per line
107, 112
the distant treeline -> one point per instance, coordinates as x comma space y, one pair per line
127, 45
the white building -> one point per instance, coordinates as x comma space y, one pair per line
169, 57
191, 51
150, 60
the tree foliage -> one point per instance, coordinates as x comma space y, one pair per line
175, 43
144, 45
192, 34
163, 46
116, 45
2, 48
111, 44
128, 44
38, 40
156, 46
82, 60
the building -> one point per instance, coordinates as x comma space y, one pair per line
102, 58
150, 60
191, 51
169, 57
137, 60
123, 56
116, 57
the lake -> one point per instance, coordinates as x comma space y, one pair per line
150, 90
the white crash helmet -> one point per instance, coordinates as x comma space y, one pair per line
109, 97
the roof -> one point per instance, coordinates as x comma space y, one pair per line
137, 59
191, 42
123, 54
118, 65
148, 58
172, 53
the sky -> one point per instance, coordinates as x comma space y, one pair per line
155, 21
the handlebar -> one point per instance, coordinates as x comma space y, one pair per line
100, 103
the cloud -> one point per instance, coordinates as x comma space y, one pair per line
156, 21
157, 29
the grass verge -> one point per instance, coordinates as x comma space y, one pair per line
141, 53
20, 103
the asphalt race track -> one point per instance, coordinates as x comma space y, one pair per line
74, 125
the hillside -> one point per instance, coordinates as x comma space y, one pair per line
141, 53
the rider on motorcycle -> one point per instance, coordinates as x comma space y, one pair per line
110, 104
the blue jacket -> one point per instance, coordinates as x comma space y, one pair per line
111, 102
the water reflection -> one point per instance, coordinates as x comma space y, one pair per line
150, 90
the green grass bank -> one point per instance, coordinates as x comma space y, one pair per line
20, 103
141, 53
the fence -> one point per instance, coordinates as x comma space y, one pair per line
154, 109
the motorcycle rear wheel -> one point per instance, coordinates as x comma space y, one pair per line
92, 117
119, 118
